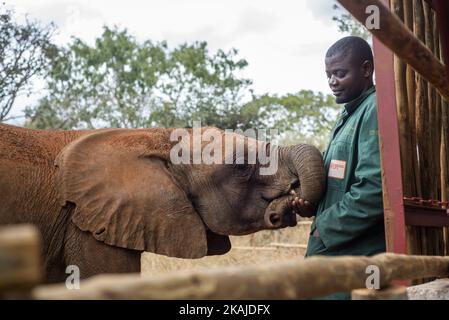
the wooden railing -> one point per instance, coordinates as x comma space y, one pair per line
20, 268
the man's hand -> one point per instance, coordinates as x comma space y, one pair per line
303, 207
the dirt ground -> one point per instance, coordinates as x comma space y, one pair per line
260, 247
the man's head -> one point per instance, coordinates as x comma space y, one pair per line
349, 68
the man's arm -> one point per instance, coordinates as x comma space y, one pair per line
361, 207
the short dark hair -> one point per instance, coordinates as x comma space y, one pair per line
357, 47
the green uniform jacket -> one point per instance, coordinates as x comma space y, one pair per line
350, 218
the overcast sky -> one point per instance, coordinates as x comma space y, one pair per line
284, 41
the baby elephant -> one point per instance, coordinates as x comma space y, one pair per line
101, 197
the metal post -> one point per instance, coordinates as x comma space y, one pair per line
389, 148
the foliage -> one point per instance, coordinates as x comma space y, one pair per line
24, 52
120, 82
347, 24
305, 117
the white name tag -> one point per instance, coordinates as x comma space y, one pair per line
337, 169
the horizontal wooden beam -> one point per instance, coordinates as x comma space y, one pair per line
390, 293
396, 36
293, 279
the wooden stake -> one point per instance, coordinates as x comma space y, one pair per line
444, 135
403, 114
432, 129
293, 279
390, 293
421, 107
411, 87
445, 163
413, 238
438, 109
421, 123
20, 263
419, 102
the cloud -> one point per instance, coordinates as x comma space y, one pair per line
71, 17
323, 10
250, 22
284, 42
312, 49
255, 21
214, 36
61, 13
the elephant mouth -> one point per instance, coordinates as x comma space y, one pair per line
279, 213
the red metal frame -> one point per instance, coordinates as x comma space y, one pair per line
390, 149
422, 216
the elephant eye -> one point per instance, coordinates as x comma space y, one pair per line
294, 184
241, 166
244, 170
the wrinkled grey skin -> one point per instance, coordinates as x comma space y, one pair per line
177, 210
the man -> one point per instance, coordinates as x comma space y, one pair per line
349, 219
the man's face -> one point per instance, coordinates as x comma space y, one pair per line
346, 79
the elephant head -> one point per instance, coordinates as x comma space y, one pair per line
128, 192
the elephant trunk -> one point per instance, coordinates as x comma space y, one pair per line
306, 162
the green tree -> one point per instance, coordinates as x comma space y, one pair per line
348, 24
120, 82
24, 52
306, 116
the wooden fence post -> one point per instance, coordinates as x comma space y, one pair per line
20, 261
390, 293
291, 279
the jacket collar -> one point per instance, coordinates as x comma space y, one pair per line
352, 105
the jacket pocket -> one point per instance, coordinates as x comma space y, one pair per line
338, 167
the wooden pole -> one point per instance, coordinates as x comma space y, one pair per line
438, 128
412, 232
431, 109
444, 159
413, 244
429, 153
293, 279
20, 263
390, 293
421, 128
401, 41
408, 179
421, 106
438, 109
411, 88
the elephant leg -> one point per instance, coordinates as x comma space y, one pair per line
94, 257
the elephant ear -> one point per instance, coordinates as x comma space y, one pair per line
125, 195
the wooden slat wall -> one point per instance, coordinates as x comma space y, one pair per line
423, 127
